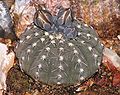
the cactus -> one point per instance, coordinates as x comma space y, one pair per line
59, 49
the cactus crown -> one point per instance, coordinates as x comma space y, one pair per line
62, 22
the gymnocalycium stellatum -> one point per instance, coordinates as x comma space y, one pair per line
59, 49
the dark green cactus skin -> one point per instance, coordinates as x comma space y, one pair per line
54, 59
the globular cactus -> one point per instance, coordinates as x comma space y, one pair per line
6, 24
59, 49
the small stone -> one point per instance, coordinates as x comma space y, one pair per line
118, 37
91, 27
34, 26
79, 89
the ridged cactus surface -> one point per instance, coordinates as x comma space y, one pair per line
54, 57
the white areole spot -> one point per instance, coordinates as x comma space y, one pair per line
51, 37
90, 48
61, 58
36, 73
79, 60
59, 36
53, 41
82, 78
46, 33
75, 51
61, 49
61, 41
48, 48
88, 35
96, 38
86, 25
28, 37
95, 55
28, 50
78, 26
43, 57
70, 44
102, 45
99, 63
81, 70
21, 41
39, 66
36, 34
79, 33
34, 26
60, 67
34, 44
23, 58
82, 42
42, 39
58, 83
59, 76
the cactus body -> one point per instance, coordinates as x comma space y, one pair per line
54, 58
